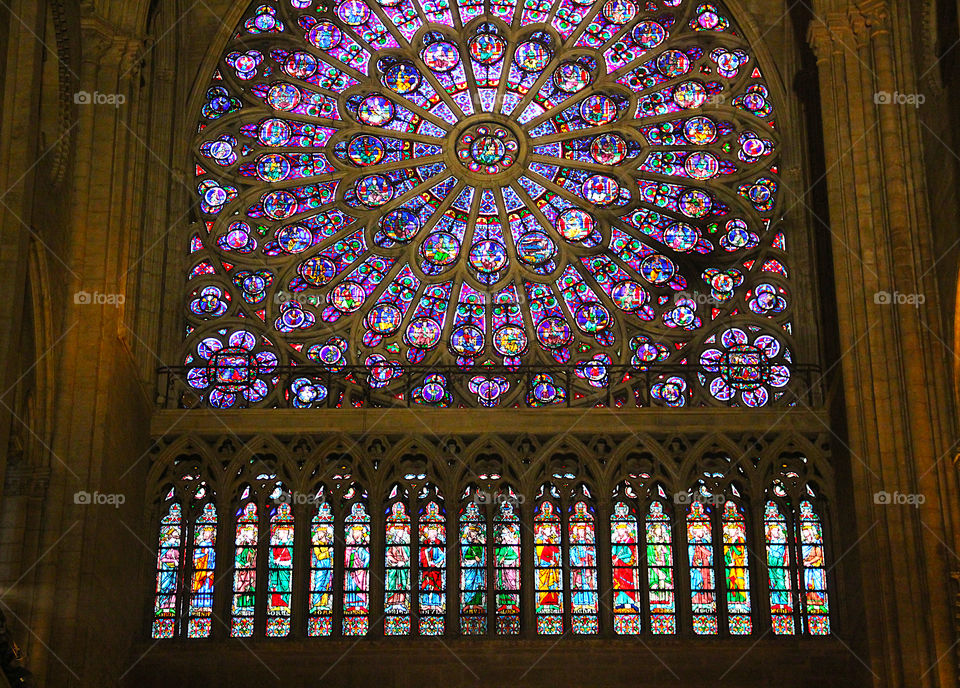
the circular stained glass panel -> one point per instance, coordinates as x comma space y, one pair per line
552, 185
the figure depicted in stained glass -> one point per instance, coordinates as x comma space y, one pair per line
507, 562
168, 572
737, 571
583, 570
700, 557
660, 570
245, 571
397, 578
200, 609
816, 606
280, 572
626, 573
548, 569
356, 578
321, 576
473, 573
432, 565
778, 566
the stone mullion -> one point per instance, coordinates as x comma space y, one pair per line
870, 204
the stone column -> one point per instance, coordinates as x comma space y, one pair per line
894, 369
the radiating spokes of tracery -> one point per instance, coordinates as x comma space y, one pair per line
585, 184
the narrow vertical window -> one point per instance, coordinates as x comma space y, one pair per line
778, 570
280, 572
320, 620
506, 557
703, 591
168, 573
583, 570
397, 578
244, 572
432, 569
203, 560
736, 569
356, 571
659, 541
625, 561
548, 570
815, 605
473, 570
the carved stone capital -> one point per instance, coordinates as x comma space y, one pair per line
106, 44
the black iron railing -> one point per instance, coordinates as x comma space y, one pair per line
386, 384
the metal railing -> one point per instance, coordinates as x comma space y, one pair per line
387, 385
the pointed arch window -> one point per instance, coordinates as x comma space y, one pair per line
397, 607
548, 568
737, 569
356, 564
779, 566
814, 600
169, 557
280, 571
432, 568
703, 586
203, 561
625, 560
506, 560
322, 554
246, 540
582, 560
660, 570
473, 568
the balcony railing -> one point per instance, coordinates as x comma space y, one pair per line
240, 383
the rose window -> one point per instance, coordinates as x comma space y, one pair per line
584, 190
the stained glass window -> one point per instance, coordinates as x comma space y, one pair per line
416, 188
473, 569
203, 564
583, 569
625, 558
432, 569
778, 570
703, 587
397, 608
660, 572
322, 553
245, 571
737, 569
280, 571
548, 569
169, 555
506, 557
814, 602
356, 564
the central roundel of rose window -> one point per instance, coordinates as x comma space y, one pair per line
581, 182
487, 148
